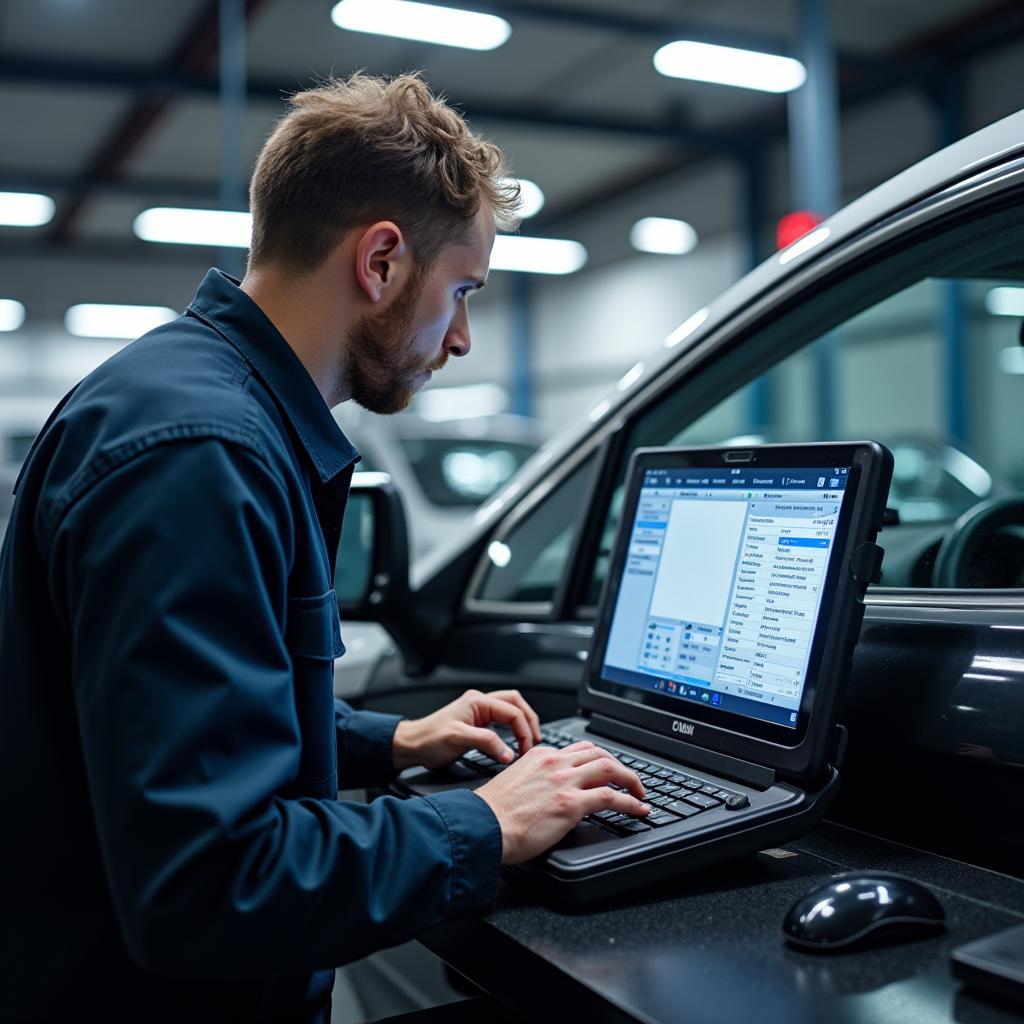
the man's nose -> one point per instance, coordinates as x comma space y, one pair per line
457, 341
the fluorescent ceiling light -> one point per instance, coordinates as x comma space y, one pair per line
805, 244
12, 314
25, 209
531, 196
425, 23
537, 255
194, 227
95, 320
724, 65
663, 235
1005, 302
457, 403
687, 327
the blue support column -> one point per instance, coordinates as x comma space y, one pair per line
760, 404
948, 97
232, 190
522, 345
814, 168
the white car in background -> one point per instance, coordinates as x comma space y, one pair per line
444, 470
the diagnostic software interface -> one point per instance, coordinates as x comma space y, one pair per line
722, 584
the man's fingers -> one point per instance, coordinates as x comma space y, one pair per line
501, 711
601, 799
584, 754
515, 697
606, 771
488, 741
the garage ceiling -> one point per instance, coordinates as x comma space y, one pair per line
112, 105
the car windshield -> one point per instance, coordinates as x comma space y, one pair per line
458, 473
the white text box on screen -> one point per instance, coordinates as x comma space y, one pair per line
697, 561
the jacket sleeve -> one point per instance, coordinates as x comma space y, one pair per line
365, 746
172, 574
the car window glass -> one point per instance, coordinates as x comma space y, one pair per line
527, 564
455, 472
891, 364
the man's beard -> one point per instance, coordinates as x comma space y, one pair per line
382, 360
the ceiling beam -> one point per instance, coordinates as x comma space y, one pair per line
195, 51
167, 80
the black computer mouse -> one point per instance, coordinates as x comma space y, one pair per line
862, 908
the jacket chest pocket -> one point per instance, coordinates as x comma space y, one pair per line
313, 639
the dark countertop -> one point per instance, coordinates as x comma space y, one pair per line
708, 947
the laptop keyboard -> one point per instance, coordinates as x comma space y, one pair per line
673, 795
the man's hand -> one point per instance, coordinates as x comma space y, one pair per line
462, 725
544, 794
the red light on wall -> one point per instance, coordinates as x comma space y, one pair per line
793, 226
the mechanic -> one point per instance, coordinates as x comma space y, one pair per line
171, 748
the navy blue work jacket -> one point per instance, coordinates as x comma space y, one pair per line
170, 745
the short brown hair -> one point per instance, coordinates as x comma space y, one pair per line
360, 149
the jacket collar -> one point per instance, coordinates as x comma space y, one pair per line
222, 303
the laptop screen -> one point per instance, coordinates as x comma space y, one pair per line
722, 585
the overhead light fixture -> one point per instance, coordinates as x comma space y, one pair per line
463, 402
1005, 302
663, 235
686, 328
98, 320
530, 195
12, 314
537, 255
724, 65
25, 209
219, 228
426, 23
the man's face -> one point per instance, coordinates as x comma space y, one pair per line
393, 353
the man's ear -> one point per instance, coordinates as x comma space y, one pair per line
382, 260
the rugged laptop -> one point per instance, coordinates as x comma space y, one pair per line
720, 655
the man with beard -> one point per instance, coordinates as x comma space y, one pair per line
171, 747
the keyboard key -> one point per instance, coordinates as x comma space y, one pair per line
634, 827
640, 766
692, 784
663, 773
709, 789
659, 800
605, 814
678, 777
703, 800
617, 819
683, 809
661, 817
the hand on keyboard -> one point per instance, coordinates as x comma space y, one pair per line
462, 725
544, 794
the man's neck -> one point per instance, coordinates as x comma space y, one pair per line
297, 310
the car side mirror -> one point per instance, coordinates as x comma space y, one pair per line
371, 571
